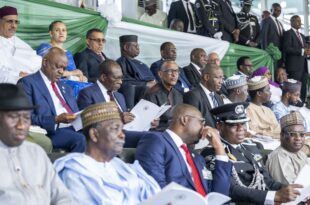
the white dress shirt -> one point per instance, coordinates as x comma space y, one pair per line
106, 96
196, 67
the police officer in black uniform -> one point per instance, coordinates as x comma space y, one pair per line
251, 184
208, 13
248, 24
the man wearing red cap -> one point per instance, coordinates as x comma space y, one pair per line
17, 58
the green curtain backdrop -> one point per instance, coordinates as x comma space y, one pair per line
259, 58
36, 15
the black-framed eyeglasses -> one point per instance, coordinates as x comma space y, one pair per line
98, 40
11, 22
170, 72
202, 120
296, 134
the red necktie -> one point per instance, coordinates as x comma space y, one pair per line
299, 38
195, 174
62, 101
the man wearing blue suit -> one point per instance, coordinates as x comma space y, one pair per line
169, 52
165, 156
105, 89
55, 101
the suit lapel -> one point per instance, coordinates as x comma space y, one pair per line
205, 98
196, 73
65, 93
41, 87
98, 95
95, 56
296, 37
181, 159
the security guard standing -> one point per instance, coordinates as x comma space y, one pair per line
251, 184
248, 24
208, 13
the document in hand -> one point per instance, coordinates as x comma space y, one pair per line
303, 178
145, 112
176, 194
77, 123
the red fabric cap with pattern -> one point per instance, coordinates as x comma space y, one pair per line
7, 10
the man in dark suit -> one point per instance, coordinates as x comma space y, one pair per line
251, 184
230, 23
88, 61
137, 75
168, 52
296, 55
105, 89
164, 92
272, 29
185, 11
165, 156
199, 60
56, 102
204, 96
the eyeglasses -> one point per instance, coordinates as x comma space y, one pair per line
296, 134
170, 72
202, 120
11, 22
98, 40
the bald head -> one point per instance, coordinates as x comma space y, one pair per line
181, 110
54, 64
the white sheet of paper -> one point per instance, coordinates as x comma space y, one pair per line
176, 194
303, 178
77, 123
268, 144
145, 112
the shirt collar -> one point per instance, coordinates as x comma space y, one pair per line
208, 92
294, 29
45, 79
101, 86
196, 66
176, 139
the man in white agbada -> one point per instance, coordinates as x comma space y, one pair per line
153, 15
98, 176
27, 176
17, 58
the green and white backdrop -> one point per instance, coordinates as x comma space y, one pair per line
36, 15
